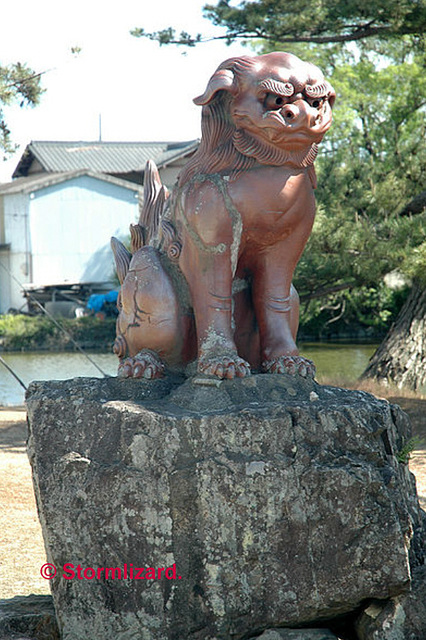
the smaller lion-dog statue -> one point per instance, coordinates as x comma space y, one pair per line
210, 267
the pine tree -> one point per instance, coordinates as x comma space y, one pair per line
18, 84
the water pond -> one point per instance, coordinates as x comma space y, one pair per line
336, 361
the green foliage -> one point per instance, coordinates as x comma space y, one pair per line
317, 21
167, 36
18, 84
26, 333
404, 454
414, 264
371, 164
353, 313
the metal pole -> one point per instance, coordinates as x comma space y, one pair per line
13, 373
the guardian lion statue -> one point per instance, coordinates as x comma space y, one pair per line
208, 277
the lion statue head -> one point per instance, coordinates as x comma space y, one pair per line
271, 109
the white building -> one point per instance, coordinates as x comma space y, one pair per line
67, 199
55, 229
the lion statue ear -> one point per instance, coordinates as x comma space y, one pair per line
222, 79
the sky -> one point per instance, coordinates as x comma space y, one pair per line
143, 92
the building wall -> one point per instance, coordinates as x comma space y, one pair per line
2, 232
16, 262
61, 234
5, 280
71, 225
36, 167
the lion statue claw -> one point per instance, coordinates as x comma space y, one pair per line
210, 268
290, 364
145, 364
224, 365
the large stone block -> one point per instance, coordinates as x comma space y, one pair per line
272, 501
400, 618
28, 618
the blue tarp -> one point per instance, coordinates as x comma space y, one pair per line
97, 300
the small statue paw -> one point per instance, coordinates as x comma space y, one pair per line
145, 364
223, 366
293, 365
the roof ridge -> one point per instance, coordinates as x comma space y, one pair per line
43, 180
124, 142
110, 157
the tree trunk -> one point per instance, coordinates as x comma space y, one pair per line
401, 358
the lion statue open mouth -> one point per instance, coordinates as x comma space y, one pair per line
209, 274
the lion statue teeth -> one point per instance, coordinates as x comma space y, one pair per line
209, 274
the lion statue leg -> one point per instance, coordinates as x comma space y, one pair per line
276, 305
208, 262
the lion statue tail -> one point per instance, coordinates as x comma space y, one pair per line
155, 195
154, 227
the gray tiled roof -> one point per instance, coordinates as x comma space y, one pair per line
42, 180
101, 157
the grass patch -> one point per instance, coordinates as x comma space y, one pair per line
32, 333
411, 445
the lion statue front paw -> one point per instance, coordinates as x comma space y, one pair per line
145, 364
228, 365
293, 365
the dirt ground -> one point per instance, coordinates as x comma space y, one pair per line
21, 543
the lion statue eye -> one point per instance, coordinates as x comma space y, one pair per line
273, 101
316, 103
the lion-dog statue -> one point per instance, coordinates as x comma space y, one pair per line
210, 267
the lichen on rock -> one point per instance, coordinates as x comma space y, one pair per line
279, 502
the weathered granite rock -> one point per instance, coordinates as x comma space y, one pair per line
28, 618
297, 634
272, 501
400, 618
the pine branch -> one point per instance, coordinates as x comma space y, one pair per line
169, 36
